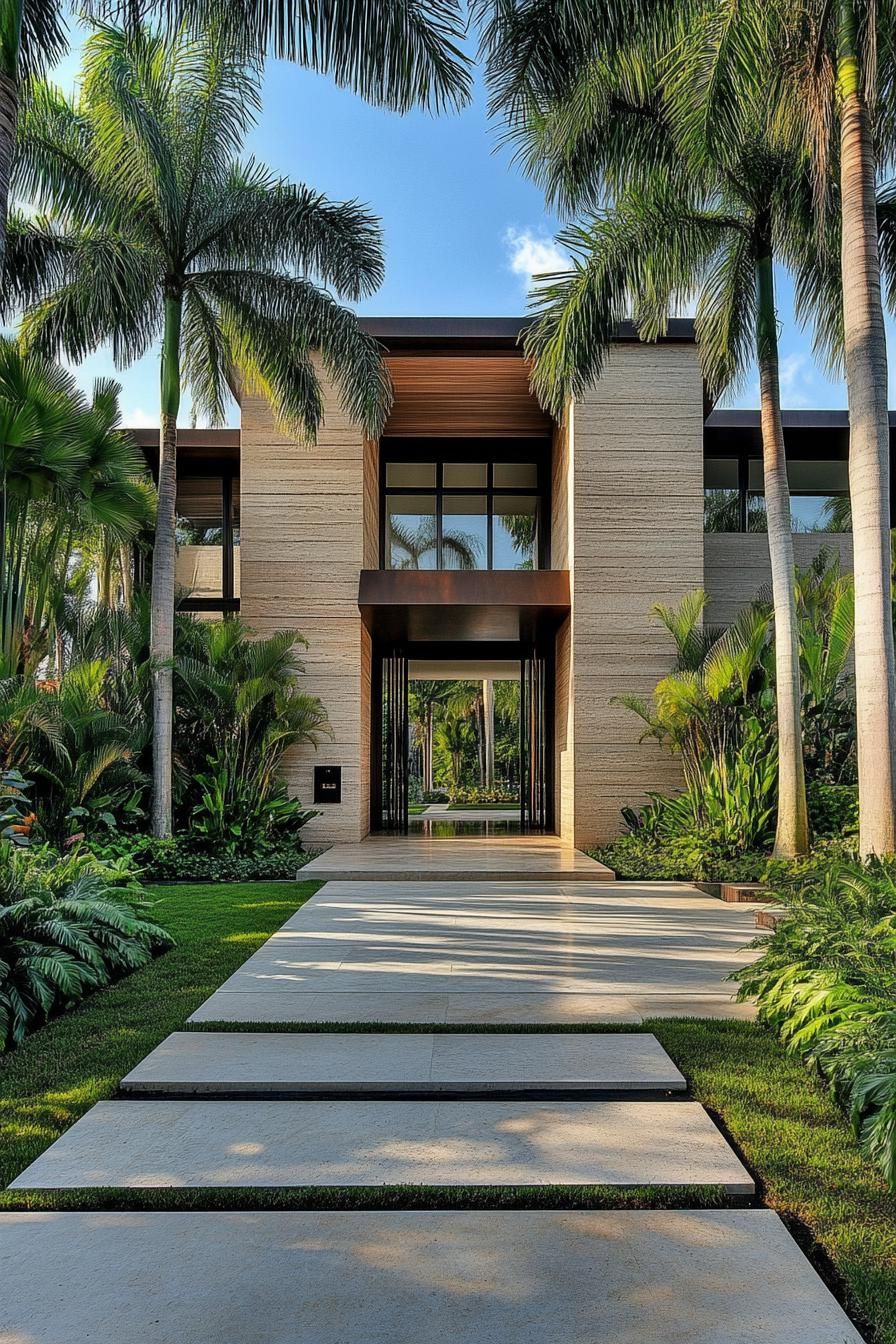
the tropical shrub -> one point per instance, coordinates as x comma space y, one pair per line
233, 815
239, 709
698, 856
826, 983
186, 858
499, 794
715, 712
68, 926
79, 752
833, 808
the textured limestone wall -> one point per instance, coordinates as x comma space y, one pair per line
303, 546
637, 510
737, 566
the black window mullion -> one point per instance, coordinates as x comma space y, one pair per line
490, 515
227, 537
743, 492
440, 491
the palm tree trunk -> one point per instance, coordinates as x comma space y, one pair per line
792, 833
164, 554
125, 560
480, 737
427, 749
869, 453
488, 714
10, 44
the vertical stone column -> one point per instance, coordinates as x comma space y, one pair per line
636, 486
562, 543
302, 550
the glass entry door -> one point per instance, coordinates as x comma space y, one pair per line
534, 743
394, 755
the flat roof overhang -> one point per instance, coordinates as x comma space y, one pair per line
200, 452
420, 333
420, 606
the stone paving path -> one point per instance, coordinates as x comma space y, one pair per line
241, 1108
492, 952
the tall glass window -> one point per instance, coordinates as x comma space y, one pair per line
207, 531
734, 495
411, 531
721, 496
461, 515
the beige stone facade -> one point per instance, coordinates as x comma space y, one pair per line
626, 485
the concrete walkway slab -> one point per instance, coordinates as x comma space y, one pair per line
511, 858
682, 1277
502, 952
205, 1063
135, 1144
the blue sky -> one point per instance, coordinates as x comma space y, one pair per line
463, 229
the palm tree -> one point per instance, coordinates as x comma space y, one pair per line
394, 53
408, 547
453, 738
65, 468
827, 73
688, 218
423, 699
467, 700
158, 232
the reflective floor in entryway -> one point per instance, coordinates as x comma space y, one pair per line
438, 824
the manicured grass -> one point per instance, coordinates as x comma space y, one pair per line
79, 1058
509, 806
415, 809
258, 1198
801, 1151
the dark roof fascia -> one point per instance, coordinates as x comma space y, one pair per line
148, 437
494, 333
790, 419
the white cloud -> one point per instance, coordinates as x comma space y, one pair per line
530, 255
797, 378
140, 419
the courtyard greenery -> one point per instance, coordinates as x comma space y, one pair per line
465, 741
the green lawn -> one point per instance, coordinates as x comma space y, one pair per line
802, 1153
787, 1129
80, 1057
509, 806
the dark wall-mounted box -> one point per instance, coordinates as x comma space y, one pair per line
328, 783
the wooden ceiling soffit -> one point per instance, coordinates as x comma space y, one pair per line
464, 395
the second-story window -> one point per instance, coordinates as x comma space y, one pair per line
462, 515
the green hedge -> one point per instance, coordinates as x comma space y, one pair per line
637, 857
182, 859
833, 808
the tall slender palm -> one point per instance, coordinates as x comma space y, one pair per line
158, 233
827, 70
690, 217
395, 53
821, 70
423, 699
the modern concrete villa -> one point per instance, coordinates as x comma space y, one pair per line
569, 532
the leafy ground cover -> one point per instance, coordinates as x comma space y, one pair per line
79, 1058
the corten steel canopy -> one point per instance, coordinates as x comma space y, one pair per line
424, 606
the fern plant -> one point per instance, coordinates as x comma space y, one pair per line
826, 982
67, 927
